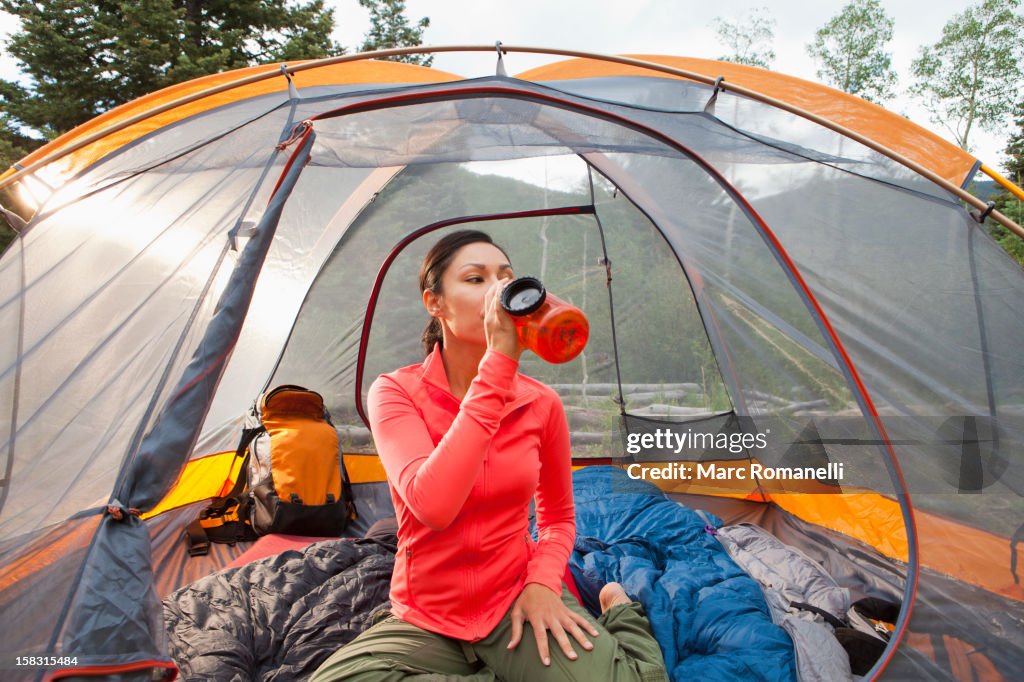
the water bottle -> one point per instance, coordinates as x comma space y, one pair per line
553, 329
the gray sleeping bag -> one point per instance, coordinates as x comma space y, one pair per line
277, 619
787, 577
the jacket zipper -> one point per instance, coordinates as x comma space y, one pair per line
408, 577
476, 541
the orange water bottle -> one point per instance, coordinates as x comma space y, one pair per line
553, 329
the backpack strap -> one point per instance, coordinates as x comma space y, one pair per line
198, 542
829, 618
346, 492
242, 452
198, 537
346, 485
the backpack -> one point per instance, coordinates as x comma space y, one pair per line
291, 477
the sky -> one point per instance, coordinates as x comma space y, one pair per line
671, 27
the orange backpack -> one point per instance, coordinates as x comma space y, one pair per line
292, 478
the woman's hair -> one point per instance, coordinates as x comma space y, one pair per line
433, 268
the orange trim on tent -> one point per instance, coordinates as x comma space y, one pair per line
884, 127
203, 478
965, 661
346, 73
47, 549
364, 468
106, 670
948, 547
868, 517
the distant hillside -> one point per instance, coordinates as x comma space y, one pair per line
983, 189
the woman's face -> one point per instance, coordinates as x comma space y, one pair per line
460, 305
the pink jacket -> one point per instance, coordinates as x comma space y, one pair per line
461, 477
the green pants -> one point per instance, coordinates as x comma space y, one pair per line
625, 651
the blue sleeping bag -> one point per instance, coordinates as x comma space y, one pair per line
708, 615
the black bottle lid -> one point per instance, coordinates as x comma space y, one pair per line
523, 296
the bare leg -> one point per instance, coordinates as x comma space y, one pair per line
612, 594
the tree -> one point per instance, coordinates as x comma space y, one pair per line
749, 39
965, 77
13, 144
389, 28
851, 51
84, 57
1007, 203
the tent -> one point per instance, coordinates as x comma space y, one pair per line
757, 255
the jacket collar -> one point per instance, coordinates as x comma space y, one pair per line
432, 372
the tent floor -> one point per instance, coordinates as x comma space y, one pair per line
948, 614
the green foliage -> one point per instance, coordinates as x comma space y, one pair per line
389, 28
1007, 203
851, 50
1010, 242
965, 77
14, 144
6, 235
85, 57
1014, 167
749, 40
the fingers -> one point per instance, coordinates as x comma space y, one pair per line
561, 637
540, 634
493, 300
585, 624
545, 611
517, 629
563, 642
499, 329
574, 629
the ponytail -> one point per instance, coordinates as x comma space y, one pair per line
432, 335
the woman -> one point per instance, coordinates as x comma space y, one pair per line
467, 442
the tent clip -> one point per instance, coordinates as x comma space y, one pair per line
296, 135
292, 92
980, 217
117, 512
245, 229
709, 108
607, 263
500, 68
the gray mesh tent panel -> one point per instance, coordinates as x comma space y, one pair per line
115, 288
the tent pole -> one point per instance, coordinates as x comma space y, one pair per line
1005, 183
276, 71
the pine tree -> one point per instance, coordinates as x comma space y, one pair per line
84, 57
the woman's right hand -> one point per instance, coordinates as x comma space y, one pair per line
499, 328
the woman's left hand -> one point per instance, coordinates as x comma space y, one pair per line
546, 611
